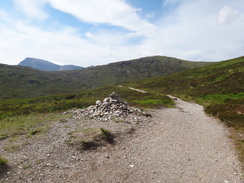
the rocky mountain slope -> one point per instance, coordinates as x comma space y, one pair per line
25, 82
46, 65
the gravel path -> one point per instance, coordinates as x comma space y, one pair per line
177, 145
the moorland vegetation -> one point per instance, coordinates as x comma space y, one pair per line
219, 87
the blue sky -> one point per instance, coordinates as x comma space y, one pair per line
98, 32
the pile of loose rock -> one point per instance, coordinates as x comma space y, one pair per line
112, 107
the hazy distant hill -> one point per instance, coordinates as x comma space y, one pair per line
46, 65
24, 82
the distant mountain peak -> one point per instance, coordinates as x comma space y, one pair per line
45, 65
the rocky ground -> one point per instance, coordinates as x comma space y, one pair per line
174, 145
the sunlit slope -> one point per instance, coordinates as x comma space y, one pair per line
219, 87
226, 77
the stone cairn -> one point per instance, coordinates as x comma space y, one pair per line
112, 107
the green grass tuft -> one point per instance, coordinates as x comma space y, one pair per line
108, 136
3, 161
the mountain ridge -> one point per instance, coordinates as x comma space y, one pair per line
45, 65
24, 82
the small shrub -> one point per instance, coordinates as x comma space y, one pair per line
26, 166
90, 138
36, 131
63, 121
3, 136
12, 147
3, 161
109, 137
105, 132
89, 145
69, 142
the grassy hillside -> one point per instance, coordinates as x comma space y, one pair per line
221, 77
24, 82
221, 83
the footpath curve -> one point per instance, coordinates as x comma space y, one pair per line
177, 145
180, 144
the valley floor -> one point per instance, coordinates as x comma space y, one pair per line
179, 144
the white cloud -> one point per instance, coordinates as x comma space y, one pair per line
114, 12
89, 35
134, 34
21, 40
150, 15
227, 15
4, 16
190, 32
108, 50
32, 8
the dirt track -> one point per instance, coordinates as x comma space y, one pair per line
177, 145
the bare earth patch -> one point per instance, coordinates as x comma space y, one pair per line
176, 145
